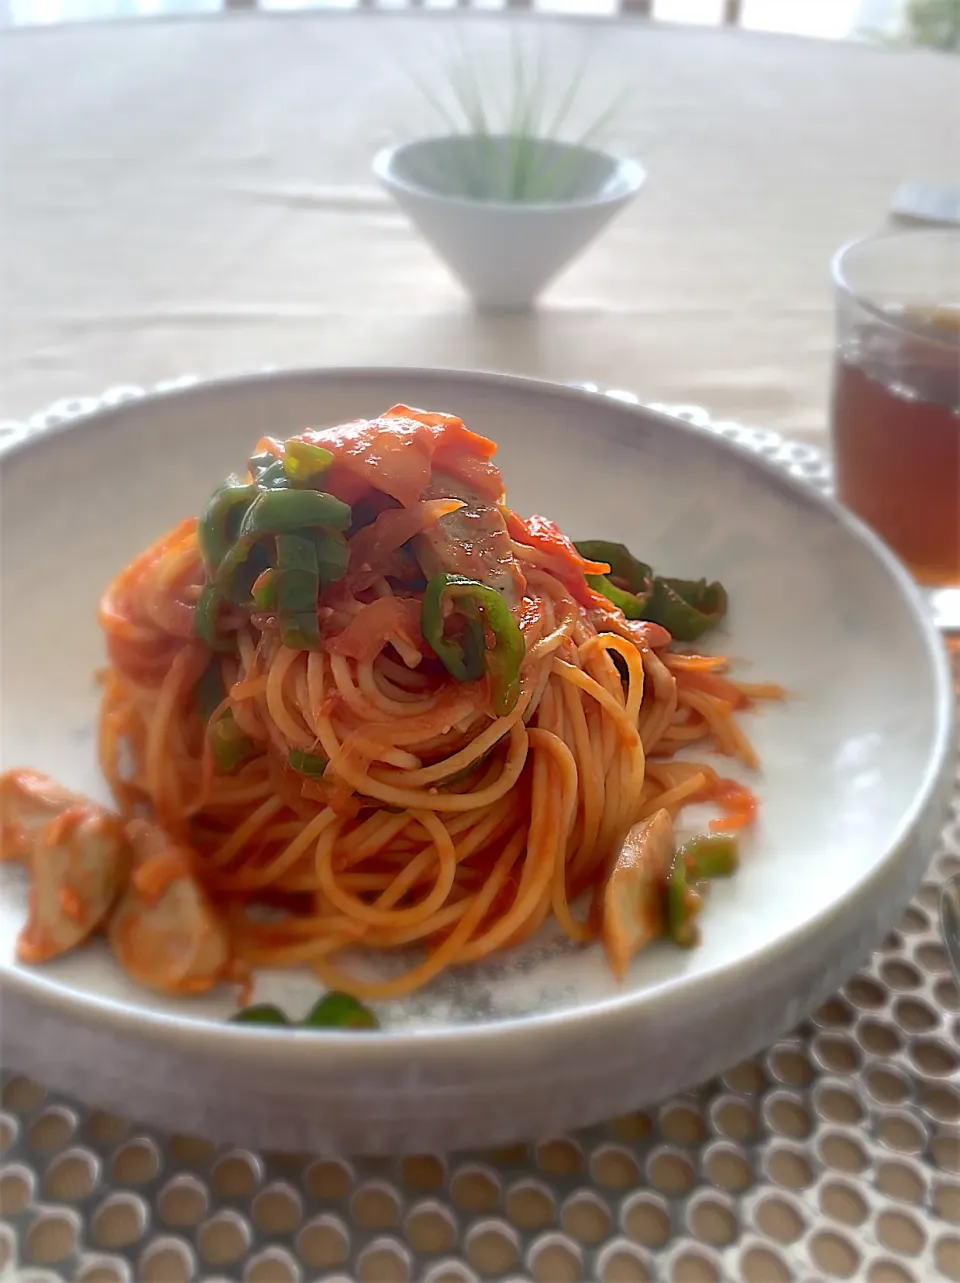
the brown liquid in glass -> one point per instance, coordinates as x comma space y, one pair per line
896, 426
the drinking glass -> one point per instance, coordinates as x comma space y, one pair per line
896, 400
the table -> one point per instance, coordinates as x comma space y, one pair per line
196, 196
833, 1154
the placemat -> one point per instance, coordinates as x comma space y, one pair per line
834, 1155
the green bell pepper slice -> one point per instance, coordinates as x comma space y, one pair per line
264, 590
633, 605
235, 533
258, 463
277, 512
623, 564
636, 575
711, 855
303, 462
247, 578
310, 764
261, 1013
463, 657
683, 906
205, 619
209, 691
297, 574
231, 748
333, 558
687, 608
273, 477
220, 521
481, 607
300, 631
339, 1011
274, 513
240, 570
298, 582
332, 1011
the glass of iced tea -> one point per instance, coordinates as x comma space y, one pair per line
896, 399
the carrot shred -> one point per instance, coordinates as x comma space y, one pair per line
695, 663
717, 687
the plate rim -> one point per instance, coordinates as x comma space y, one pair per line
200, 1034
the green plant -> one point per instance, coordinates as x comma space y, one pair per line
509, 111
934, 23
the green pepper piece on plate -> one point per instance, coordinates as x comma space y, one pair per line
259, 463
461, 656
300, 631
240, 569
623, 564
297, 574
711, 855
629, 583
278, 512
230, 747
304, 462
339, 1011
273, 477
687, 608
311, 764
464, 659
205, 619
209, 691
333, 557
220, 521
264, 590
261, 1013
683, 906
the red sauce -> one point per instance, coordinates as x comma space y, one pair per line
398, 452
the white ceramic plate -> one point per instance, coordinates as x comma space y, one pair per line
855, 775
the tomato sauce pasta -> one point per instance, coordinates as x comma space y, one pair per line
380, 704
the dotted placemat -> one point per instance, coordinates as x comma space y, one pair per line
834, 1155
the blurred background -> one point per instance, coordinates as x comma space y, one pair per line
933, 23
187, 186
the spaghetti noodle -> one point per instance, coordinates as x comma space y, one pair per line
373, 700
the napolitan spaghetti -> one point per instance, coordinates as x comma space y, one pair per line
363, 693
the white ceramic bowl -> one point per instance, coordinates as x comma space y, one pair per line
856, 773
505, 252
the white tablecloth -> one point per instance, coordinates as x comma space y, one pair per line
195, 196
